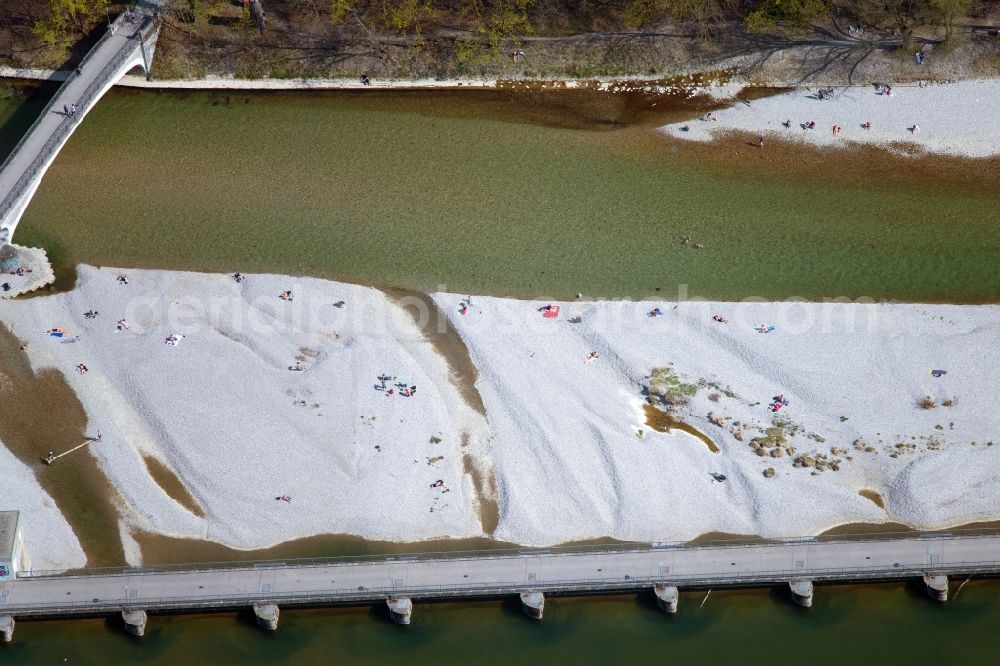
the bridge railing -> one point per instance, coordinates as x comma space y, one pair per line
582, 549
67, 124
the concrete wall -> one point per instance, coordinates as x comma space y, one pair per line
18, 559
21, 558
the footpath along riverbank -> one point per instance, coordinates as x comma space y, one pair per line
688, 81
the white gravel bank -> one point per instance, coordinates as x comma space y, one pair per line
951, 118
223, 410
571, 463
566, 437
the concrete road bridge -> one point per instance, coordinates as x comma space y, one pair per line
398, 580
128, 43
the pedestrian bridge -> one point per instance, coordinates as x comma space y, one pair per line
128, 43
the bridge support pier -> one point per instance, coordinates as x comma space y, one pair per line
666, 598
937, 587
267, 616
802, 592
6, 629
533, 604
400, 610
135, 621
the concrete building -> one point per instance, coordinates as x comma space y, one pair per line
13, 555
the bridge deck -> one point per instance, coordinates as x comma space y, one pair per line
30, 157
366, 579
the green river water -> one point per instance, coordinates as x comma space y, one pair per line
890, 624
497, 194
481, 192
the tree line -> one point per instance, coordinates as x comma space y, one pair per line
499, 20
66, 20
513, 17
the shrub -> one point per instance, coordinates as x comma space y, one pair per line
772, 437
667, 386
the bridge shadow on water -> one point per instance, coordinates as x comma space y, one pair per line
781, 595
510, 607
916, 592
115, 625
379, 614
36, 94
645, 601
30, 98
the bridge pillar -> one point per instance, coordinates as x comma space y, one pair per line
135, 621
6, 629
146, 57
533, 604
937, 587
400, 610
666, 597
802, 592
267, 616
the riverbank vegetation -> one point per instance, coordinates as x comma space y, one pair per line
503, 38
67, 20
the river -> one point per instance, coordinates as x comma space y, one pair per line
519, 193
891, 624
512, 193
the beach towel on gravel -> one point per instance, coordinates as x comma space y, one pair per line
552, 312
